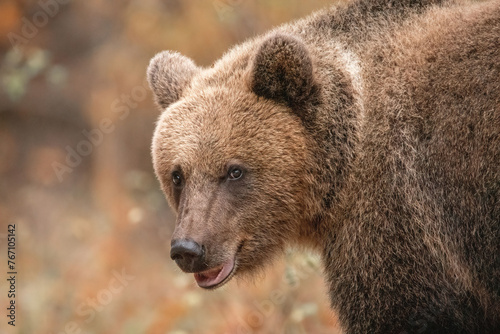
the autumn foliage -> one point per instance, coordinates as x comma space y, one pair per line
93, 228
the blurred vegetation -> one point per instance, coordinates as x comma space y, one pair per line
73, 66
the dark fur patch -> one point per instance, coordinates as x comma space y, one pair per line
282, 70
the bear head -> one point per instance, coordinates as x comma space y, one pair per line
232, 154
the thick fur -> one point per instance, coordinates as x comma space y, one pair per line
168, 74
370, 132
282, 70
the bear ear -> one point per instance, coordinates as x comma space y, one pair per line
282, 70
168, 75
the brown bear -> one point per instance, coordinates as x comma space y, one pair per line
370, 132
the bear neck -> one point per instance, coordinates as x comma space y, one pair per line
333, 122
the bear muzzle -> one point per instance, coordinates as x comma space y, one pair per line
190, 257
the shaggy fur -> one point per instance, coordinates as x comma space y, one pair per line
168, 74
370, 132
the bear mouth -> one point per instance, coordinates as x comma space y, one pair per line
217, 276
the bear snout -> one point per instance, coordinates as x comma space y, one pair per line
188, 254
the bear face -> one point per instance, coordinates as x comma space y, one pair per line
237, 203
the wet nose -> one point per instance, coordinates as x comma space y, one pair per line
188, 254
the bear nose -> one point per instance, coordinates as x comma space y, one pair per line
188, 254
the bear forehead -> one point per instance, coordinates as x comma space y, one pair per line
217, 125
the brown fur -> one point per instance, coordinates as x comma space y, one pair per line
369, 131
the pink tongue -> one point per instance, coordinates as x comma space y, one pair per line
214, 276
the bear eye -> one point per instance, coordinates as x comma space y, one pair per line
176, 178
235, 173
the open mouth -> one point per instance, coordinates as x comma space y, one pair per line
215, 277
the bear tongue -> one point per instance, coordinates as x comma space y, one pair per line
211, 277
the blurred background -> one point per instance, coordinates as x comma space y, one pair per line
92, 226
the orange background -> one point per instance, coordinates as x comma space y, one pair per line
92, 227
